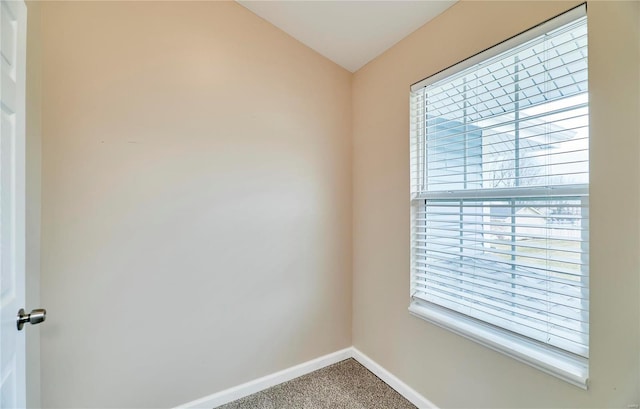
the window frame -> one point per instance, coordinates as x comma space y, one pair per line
564, 365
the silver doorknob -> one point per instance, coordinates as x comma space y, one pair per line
33, 318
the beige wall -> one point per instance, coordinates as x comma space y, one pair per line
33, 191
196, 202
446, 368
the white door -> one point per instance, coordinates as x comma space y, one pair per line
12, 200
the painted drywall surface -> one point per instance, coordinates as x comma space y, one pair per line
450, 370
196, 202
33, 200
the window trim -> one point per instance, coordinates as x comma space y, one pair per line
564, 365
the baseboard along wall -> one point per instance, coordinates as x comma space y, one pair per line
260, 384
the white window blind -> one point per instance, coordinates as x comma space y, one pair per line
500, 187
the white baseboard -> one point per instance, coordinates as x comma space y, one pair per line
390, 379
260, 384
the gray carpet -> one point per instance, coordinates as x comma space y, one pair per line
345, 385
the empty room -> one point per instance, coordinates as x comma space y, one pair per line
320, 204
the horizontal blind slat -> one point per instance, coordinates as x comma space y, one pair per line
576, 305
487, 305
523, 63
417, 233
570, 288
518, 257
519, 244
491, 107
574, 320
552, 269
504, 224
453, 139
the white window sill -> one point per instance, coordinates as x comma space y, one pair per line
566, 366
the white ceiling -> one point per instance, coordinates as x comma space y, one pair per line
350, 33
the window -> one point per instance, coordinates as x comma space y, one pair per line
500, 197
